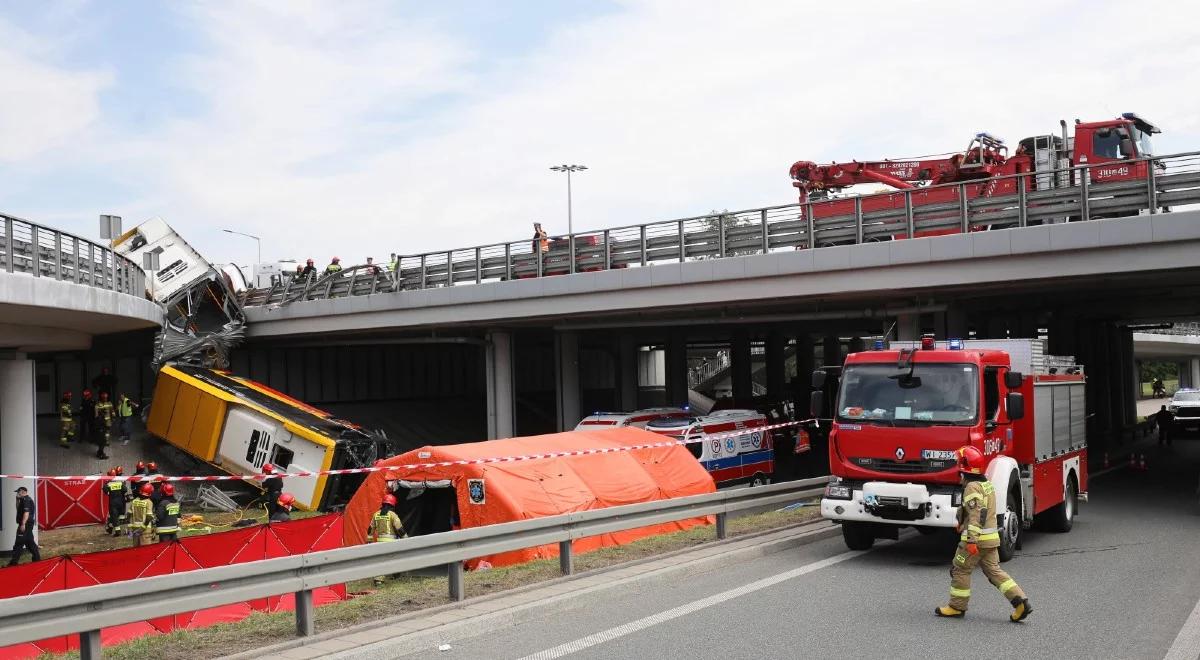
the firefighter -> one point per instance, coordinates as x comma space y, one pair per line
155, 483
334, 266
125, 410
104, 417
166, 515
115, 489
980, 542
66, 420
309, 270
87, 414
283, 508
141, 516
273, 487
135, 480
385, 526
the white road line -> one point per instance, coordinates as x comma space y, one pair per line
1187, 642
683, 610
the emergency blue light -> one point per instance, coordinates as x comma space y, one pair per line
956, 344
879, 344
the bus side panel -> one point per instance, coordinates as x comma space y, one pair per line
163, 404
206, 431
187, 401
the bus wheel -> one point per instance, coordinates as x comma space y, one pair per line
759, 479
858, 536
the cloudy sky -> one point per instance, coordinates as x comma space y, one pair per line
360, 128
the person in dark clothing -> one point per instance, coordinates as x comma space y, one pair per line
116, 492
1163, 419
26, 524
309, 270
87, 414
274, 487
106, 382
283, 508
166, 515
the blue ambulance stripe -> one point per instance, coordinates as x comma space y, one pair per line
740, 459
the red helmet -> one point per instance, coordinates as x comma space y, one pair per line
310, 262
67, 394
120, 470
286, 500
87, 394
336, 259
104, 396
268, 468
147, 490
152, 466
141, 465
112, 472
168, 489
389, 499
970, 460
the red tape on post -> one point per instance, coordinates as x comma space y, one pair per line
415, 466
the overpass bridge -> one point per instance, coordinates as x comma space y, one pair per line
537, 337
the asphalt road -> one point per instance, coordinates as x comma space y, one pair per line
1121, 584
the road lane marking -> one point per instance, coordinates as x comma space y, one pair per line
1187, 642
683, 610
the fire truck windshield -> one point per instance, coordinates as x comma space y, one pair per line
932, 394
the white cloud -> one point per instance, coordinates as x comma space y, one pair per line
344, 129
44, 106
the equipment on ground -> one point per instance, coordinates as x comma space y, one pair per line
211, 497
1113, 144
901, 413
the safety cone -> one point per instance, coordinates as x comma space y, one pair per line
1132, 461
1142, 463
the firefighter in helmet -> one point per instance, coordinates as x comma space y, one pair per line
385, 526
980, 542
166, 514
141, 516
104, 416
66, 420
283, 508
115, 489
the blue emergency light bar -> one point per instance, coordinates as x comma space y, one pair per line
955, 344
879, 344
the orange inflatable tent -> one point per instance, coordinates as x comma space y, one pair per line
486, 494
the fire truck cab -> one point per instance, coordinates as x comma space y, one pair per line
902, 412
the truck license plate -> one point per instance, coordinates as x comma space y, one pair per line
938, 455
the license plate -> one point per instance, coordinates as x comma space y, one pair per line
938, 455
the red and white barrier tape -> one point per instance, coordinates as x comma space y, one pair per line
416, 466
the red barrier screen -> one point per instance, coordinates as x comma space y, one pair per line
67, 503
191, 553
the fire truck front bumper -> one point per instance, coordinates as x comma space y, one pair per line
887, 502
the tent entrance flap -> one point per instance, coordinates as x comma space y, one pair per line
427, 510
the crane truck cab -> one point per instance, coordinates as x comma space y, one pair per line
902, 412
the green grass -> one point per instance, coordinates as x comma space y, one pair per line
410, 592
1169, 385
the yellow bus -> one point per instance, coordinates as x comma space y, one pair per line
237, 425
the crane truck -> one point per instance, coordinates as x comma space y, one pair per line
1117, 149
902, 412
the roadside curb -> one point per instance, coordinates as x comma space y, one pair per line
414, 631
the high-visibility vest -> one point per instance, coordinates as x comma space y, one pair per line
64, 412
116, 489
385, 527
125, 408
140, 513
168, 518
333, 268
104, 410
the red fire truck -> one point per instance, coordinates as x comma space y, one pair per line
902, 412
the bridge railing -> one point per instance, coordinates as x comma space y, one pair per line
86, 610
1082, 194
26, 247
1191, 329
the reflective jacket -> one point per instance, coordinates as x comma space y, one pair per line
125, 408
977, 515
385, 526
115, 490
166, 516
104, 410
64, 412
141, 513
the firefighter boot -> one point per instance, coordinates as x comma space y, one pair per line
949, 612
1021, 609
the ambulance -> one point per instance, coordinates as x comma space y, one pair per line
747, 457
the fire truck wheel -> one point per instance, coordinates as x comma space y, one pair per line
1010, 534
1061, 517
858, 536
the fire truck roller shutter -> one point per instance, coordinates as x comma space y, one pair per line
1005, 477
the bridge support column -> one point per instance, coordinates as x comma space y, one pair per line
1193, 368
831, 347
806, 363
1129, 379
566, 368
498, 363
676, 376
776, 345
18, 438
742, 367
627, 372
908, 327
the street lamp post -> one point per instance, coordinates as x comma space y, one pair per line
258, 241
570, 221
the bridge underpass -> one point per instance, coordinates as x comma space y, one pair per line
544, 352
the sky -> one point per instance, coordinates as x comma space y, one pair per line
359, 128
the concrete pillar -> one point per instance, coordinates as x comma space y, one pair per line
775, 363
498, 362
831, 346
627, 372
18, 439
1129, 381
1194, 372
566, 369
908, 327
676, 376
740, 370
805, 364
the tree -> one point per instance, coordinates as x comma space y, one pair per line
729, 222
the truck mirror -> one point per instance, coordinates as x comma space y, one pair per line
1015, 404
816, 404
1126, 148
1013, 379
818, 380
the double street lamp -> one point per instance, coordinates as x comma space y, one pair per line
569, 169
256, 240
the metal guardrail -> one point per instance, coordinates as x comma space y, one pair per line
26, 247
86, 610
1192, 329
960, 207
